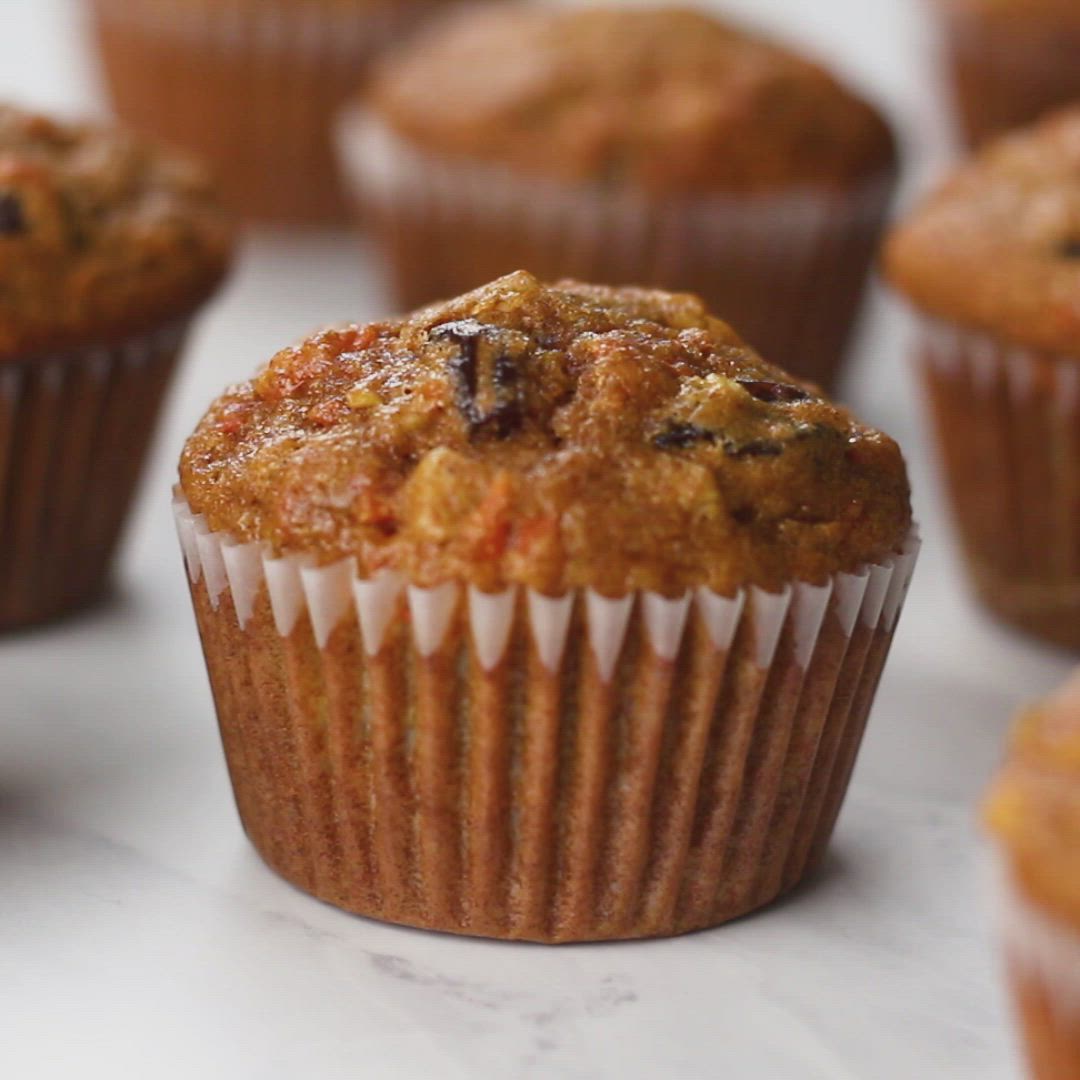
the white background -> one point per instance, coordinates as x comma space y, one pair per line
140, 936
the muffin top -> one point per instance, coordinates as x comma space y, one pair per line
997, 247
1034, 805
101, 234
665, 99
551, 436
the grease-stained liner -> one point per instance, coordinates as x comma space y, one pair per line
788, 269
251, 85
1043, 959
1008, 430
520, 766
74, 429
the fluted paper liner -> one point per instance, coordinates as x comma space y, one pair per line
1043, 958
251, 86
1008, 429
787, 270
521, 766
74, 428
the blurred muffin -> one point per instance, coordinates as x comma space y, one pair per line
250, 84
1033, 811
661, 147
108, 246
1012, 60
992, 263
551, 612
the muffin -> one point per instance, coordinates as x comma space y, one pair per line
1011, 61
550, 612
660, 147
108, 246
1033, 811
250, 84
991, 263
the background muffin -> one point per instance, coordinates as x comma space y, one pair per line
252, 85
449, 571
1033, 811
1011, 60
107, 248
992, 263
660, 147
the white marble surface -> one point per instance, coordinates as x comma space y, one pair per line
141, 937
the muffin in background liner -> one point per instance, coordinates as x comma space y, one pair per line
1043, 962
1008, 67
525, 767
251, 85
1007, 422
788, 268
74, 430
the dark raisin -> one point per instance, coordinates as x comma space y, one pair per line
772, 392
497, 380
12, 215
756, 448
678, 434
1070, 248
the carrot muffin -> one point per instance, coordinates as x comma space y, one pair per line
991, 262
107, 248
1012, 60
661, 147
1033, 811
550, 612
252, 85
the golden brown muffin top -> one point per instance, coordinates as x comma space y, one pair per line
997, 247
1034, 805
551, 436
666, 99
100, 234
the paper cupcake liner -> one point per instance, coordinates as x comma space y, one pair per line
251, 85
1008, 430
1043, 957
1009, 70
518, 766
74, 429
788, 270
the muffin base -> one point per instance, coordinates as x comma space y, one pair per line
1009, 71
74, 431
1043, 961
1008, 429
251, 87
787, 270
442, 761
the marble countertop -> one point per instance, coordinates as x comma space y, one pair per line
140, 936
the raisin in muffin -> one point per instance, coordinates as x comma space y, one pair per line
108, 246
1011, 60
1033, 812
655, 146
252, 85
549, 612
991, 262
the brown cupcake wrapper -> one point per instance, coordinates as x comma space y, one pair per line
1008, 430
787, 270
252, 87
1043, 961
1006, 72
518, 766
74, 430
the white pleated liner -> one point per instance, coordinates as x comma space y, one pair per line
1040, 946
329, 593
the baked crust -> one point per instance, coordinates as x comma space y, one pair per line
549, 436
